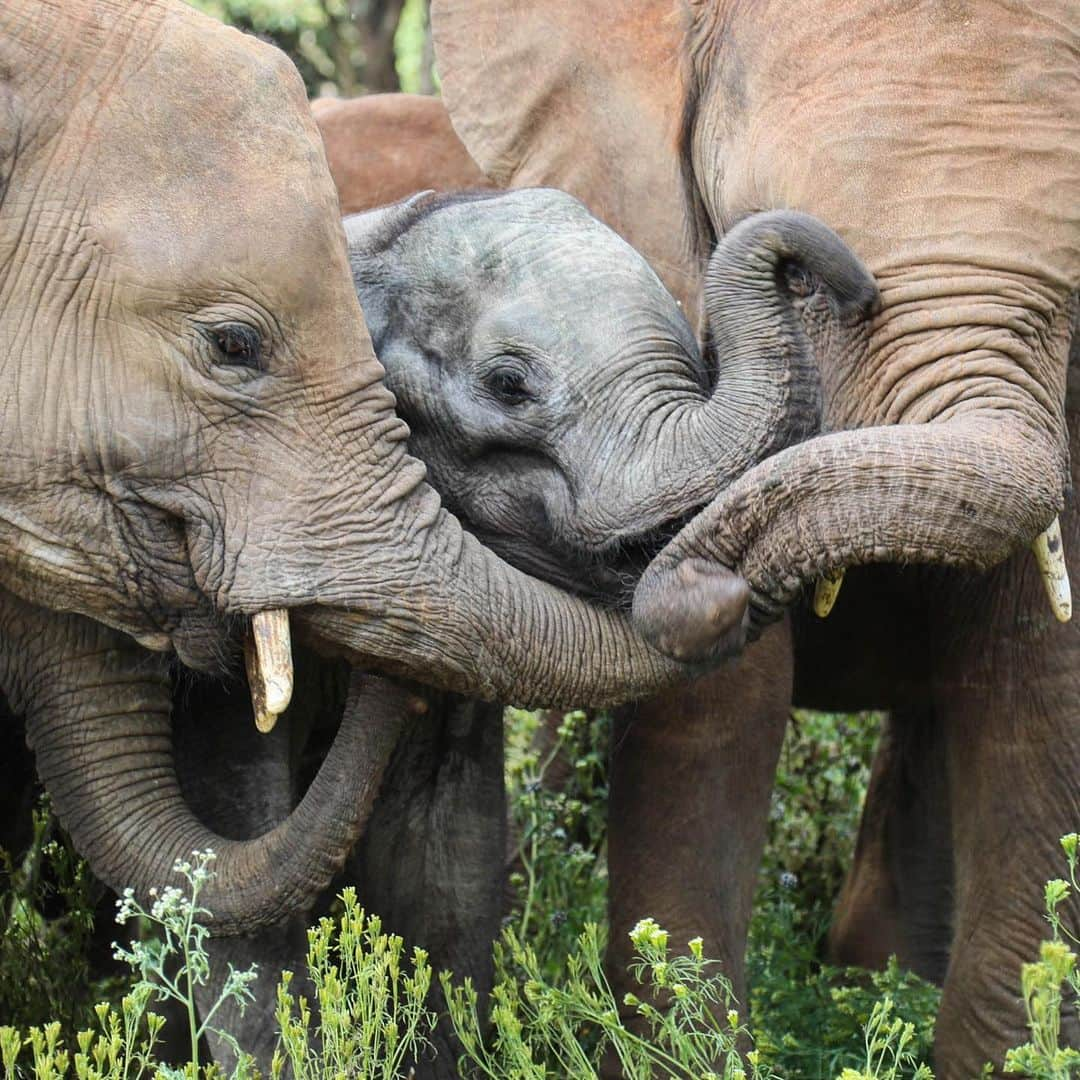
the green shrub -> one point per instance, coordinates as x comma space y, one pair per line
552, 1013
817, 799
559, 882
809, 1017
564, 1029
170, 959
1043, 983
47, 904
372, 1018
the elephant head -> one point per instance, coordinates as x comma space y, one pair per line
556, 391
939, 142
196, 433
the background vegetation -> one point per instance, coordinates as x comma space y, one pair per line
342, 47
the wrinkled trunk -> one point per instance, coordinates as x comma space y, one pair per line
779, 287
759, 286
98, 720
509, 639
973, 466
487, 630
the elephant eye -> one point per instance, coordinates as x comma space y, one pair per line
237, 345
507, 385
799, 280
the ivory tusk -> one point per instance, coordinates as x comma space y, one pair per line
826, 591
268, 659
1050, 555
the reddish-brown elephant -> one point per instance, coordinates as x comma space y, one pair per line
942, 143
384, 147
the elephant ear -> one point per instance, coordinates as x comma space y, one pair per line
582, 95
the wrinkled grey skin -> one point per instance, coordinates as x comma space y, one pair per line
555, 390
195, 431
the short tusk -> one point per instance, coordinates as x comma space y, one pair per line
1050, 555
826, 591
268, 659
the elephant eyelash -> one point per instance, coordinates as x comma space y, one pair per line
800, 282
237, 345
508, 385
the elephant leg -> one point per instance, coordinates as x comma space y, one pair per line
1007, 688
431, 862
1008, 691
897, 898
691, 778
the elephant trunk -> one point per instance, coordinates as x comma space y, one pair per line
98, 721
973, 465
767, 279
487, 630
505, 637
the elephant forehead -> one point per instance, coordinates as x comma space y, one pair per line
585, 323
965, 139
280, 250
202, 158
577, 279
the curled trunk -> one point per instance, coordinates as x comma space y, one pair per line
98, 720
497, 635
761, 279
964, 492
963, 380
779, 286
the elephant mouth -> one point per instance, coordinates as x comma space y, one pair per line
616, 568
605, 574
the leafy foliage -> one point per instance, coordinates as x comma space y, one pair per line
371, 1018
341, 47
810, 1017
171, 959
47, 904
552, 1012
1043, 982
557, 786
817, 799
564, 1029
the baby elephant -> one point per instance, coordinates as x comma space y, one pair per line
567, 415
556, 392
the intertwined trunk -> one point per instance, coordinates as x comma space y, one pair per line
966, 463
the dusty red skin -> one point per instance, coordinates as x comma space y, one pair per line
384, 147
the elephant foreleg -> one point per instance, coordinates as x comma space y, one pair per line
431, 862
691, 778
897, 898
1007, 689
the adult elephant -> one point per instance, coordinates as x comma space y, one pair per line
197, 440
385, 147
941, 142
